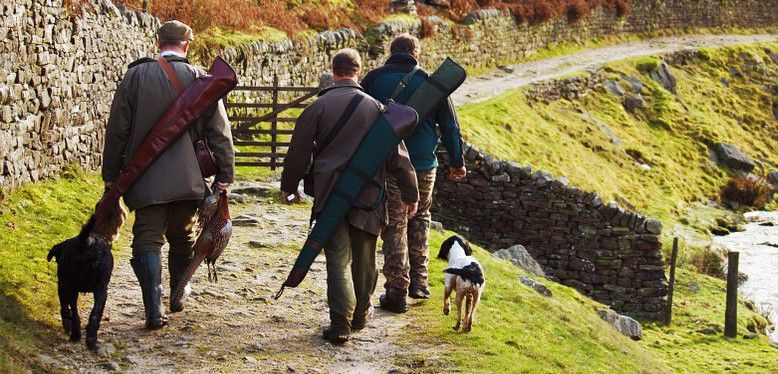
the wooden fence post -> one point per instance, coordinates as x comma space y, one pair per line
730, 316
274, 125
673, 257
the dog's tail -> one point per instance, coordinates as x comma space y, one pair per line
471, 272
54, 252
83, 236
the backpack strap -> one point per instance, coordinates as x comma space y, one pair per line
171, 75
404, 82
344, 117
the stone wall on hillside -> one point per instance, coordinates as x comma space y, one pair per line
57, 78
607, 252
57, 75
487, 38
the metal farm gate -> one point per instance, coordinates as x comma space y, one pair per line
263, 119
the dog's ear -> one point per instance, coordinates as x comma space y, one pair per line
466, 247
446, 247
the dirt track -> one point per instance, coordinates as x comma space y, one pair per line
235, 325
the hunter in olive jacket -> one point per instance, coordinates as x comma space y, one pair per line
141, 98
314, 124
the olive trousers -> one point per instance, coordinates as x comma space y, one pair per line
351, 275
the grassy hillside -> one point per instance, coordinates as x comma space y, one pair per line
32, 219
670, 134
518, 330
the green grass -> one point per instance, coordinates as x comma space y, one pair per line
34, 218
683, 349
568, 138
518, 330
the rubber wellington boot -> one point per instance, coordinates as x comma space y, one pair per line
148, 269
177, 262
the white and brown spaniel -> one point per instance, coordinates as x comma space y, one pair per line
465, 275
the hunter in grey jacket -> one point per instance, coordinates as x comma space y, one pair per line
141, 98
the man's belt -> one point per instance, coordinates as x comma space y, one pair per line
395, 124
206, 91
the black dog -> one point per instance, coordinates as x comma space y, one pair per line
85, 264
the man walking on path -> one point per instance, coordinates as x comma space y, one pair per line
406, 244
331, 128
166, 197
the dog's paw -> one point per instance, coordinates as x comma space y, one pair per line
467, 328
91, 343
67, 325
75, 337
456, 327
446, 310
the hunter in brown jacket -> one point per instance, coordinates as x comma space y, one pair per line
351, 262
165, 198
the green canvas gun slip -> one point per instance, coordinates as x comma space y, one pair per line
386, 133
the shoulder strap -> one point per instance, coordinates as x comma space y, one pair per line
352, 106
404, 82
167, 68
171, 75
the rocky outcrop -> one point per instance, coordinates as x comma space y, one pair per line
664, 77
519, 256
569, 88
733, 157
623, 324
537, 286
607, 252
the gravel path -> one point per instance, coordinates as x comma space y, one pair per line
483, 87
235, 325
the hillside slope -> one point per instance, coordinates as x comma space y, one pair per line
656, 157
234, 325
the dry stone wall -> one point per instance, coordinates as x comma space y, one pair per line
57, 78
57, 74
607, 252
488, 37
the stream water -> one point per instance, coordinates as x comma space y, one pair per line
759, 260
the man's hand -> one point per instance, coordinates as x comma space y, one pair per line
222, 186
289, 198
457, 174
411, 209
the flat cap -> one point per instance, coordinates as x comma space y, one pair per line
175, 30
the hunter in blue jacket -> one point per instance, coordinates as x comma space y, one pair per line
406, 244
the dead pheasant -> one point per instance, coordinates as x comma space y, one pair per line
216, 229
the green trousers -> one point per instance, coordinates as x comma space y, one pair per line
351, 275
174, 222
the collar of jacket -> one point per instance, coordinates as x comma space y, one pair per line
402, 59
174, 58
149, 59
343, 83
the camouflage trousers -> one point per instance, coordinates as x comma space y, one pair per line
406, 241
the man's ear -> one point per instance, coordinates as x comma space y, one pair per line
185, 46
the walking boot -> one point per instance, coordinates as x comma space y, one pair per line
336, 335
148, 269
418, 292
177, 263
395, 303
